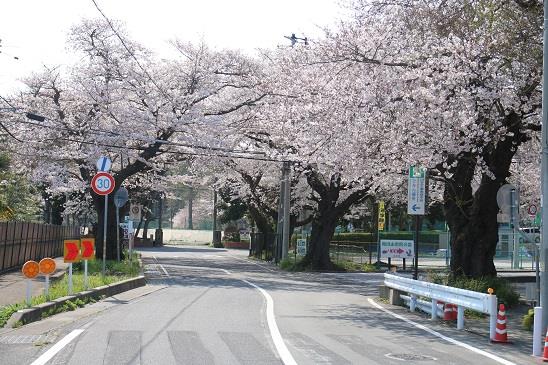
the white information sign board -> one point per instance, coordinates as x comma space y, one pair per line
397, 249
416, 192
301, 247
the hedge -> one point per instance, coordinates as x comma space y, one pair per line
364, 238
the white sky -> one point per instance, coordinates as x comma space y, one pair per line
35, 30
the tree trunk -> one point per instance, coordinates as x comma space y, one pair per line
323, 229
329, 211
472, 216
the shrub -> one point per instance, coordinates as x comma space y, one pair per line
528, 319
503, 288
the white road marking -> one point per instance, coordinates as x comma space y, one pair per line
282, 349
48, 355
165, 271
252, 262
448, 339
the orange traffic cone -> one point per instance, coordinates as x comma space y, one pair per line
455, 311
545, 354
448, 312
500, 332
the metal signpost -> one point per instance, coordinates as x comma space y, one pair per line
120, 199
88, 253
416, 204
103, 184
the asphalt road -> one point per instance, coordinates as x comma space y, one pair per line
211, 306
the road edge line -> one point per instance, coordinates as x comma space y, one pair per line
443, 337
48, 355
282, 349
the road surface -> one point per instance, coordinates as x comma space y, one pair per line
213, 306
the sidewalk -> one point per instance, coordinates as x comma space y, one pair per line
13, 284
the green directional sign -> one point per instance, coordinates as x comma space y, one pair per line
416, 191
417, 172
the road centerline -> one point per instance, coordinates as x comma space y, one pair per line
279, 343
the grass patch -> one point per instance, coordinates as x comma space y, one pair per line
115, 271
351, 266
290, 264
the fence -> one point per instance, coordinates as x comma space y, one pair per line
357, 254
263, 245
23, 241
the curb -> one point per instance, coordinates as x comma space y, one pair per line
34, 314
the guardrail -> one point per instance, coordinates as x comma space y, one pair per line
484, 303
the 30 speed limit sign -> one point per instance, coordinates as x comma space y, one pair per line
102, 183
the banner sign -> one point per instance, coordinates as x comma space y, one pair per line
381, 216
397, 249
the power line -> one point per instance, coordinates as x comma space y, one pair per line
100, 131
230, 153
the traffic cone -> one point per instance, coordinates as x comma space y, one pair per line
455, 311
545, 354
448, 312
500, 332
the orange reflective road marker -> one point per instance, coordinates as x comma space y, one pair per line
47, 266
30, 269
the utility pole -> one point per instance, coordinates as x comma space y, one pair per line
279, 225
544, 177
287, 189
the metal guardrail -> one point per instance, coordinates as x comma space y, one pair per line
484, 303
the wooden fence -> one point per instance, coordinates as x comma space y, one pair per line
23, 241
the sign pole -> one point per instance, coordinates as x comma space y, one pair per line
85, 274
117, 234
417, 230
47, 286
105, 235
29, 288
70, 280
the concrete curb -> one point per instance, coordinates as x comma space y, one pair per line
34, 314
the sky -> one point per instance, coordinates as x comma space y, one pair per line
35, 30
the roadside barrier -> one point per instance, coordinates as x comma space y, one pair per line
500, 332
484, 303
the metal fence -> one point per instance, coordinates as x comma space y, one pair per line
430, 255
263, 245
23, 241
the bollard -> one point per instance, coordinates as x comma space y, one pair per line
460, 317
413, 303
537, 332
434, 309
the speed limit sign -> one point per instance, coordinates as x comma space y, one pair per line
102, 183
